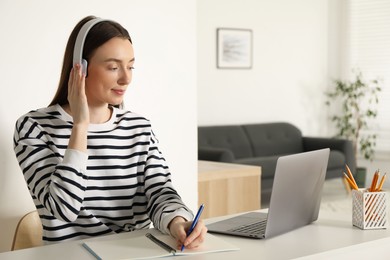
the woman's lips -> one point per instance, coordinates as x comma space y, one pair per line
119, 91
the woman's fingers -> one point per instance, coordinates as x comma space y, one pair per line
70, 83
197, 236
76, 95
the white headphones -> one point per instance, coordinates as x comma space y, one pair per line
79, 45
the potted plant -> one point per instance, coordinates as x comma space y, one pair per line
358, 99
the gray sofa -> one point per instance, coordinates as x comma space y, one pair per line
262, 144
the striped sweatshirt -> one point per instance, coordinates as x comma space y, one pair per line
121, 184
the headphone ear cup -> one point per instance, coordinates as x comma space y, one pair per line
84, 66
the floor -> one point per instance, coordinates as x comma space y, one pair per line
335, 197
333, 190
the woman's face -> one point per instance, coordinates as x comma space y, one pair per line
109, 72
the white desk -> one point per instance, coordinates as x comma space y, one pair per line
331, 237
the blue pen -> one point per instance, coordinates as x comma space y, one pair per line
196, 219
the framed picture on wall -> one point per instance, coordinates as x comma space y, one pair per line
234, 48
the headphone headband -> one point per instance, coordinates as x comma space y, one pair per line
79, 45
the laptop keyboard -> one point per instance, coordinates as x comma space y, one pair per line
253, 228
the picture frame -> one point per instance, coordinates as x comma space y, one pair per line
234, 48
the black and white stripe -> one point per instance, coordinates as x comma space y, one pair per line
122, 184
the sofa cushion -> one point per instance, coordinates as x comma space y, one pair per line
274, 138
215, 154
229, 137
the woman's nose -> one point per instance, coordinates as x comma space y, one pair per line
125, 77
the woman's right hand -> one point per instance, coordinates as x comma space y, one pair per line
78, 106
77, 99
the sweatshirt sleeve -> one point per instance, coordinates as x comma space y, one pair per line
57, 181
164, 203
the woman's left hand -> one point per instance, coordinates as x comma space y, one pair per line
179, 227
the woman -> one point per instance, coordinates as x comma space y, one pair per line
91, 167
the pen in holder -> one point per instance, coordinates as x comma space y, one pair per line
369, 209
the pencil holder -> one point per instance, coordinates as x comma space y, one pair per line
369, 209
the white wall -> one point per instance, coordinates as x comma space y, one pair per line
34, 34
290, 64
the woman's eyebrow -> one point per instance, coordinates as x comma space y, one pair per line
117, 60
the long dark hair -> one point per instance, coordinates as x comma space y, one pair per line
97, 36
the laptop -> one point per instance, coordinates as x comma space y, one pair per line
295, 199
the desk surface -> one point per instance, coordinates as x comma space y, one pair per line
331, 237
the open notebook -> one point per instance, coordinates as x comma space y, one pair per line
146, 247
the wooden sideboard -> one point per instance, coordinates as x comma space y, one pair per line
227, 188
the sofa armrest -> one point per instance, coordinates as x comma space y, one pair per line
215, 154
343, 145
